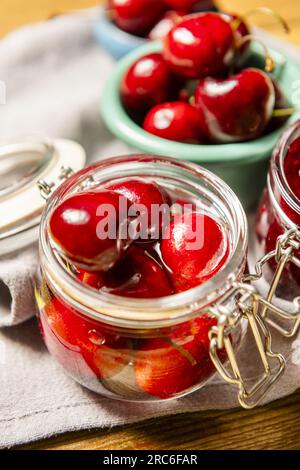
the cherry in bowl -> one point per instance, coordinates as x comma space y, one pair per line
135, 16
148, 82
238, 163
141, 17
177, 121
238, 108
194, 90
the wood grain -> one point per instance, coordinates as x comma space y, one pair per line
276, 426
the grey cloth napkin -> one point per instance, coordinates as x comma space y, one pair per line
54, 73
17, 271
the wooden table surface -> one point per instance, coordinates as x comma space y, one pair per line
276, 426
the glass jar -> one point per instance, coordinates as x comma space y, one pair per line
277, 240
154, 349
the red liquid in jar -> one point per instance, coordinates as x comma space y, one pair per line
172, 360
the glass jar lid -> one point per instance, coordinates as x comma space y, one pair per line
27, 171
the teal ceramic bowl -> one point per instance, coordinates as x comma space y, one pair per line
242, 165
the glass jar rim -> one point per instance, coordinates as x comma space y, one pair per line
277, 178
144, 313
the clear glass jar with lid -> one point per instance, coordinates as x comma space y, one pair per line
277, 236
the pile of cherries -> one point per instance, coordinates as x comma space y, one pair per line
195, 92
165, 363
165, 261
152, 19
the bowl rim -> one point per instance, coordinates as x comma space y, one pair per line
123, 127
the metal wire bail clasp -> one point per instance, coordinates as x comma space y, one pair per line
47, 188
244, 308
285, 322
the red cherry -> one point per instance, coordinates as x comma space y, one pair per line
148, 82
275, 229
165, 24
136, 16
93, 279
145, 277
137, 275
181, 4
291, 168
176, 120
201, 44
75, 225
268, 229
184, 95
64, 323
290, 279
166, 366
194, 248
187, 5
145, 196
238, 108
242, 30
103, 351
60, 328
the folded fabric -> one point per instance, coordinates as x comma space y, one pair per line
17, 272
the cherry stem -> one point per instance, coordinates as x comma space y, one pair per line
266, 11
269, 61
284, 112
180, 349
177, 18
110, 14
